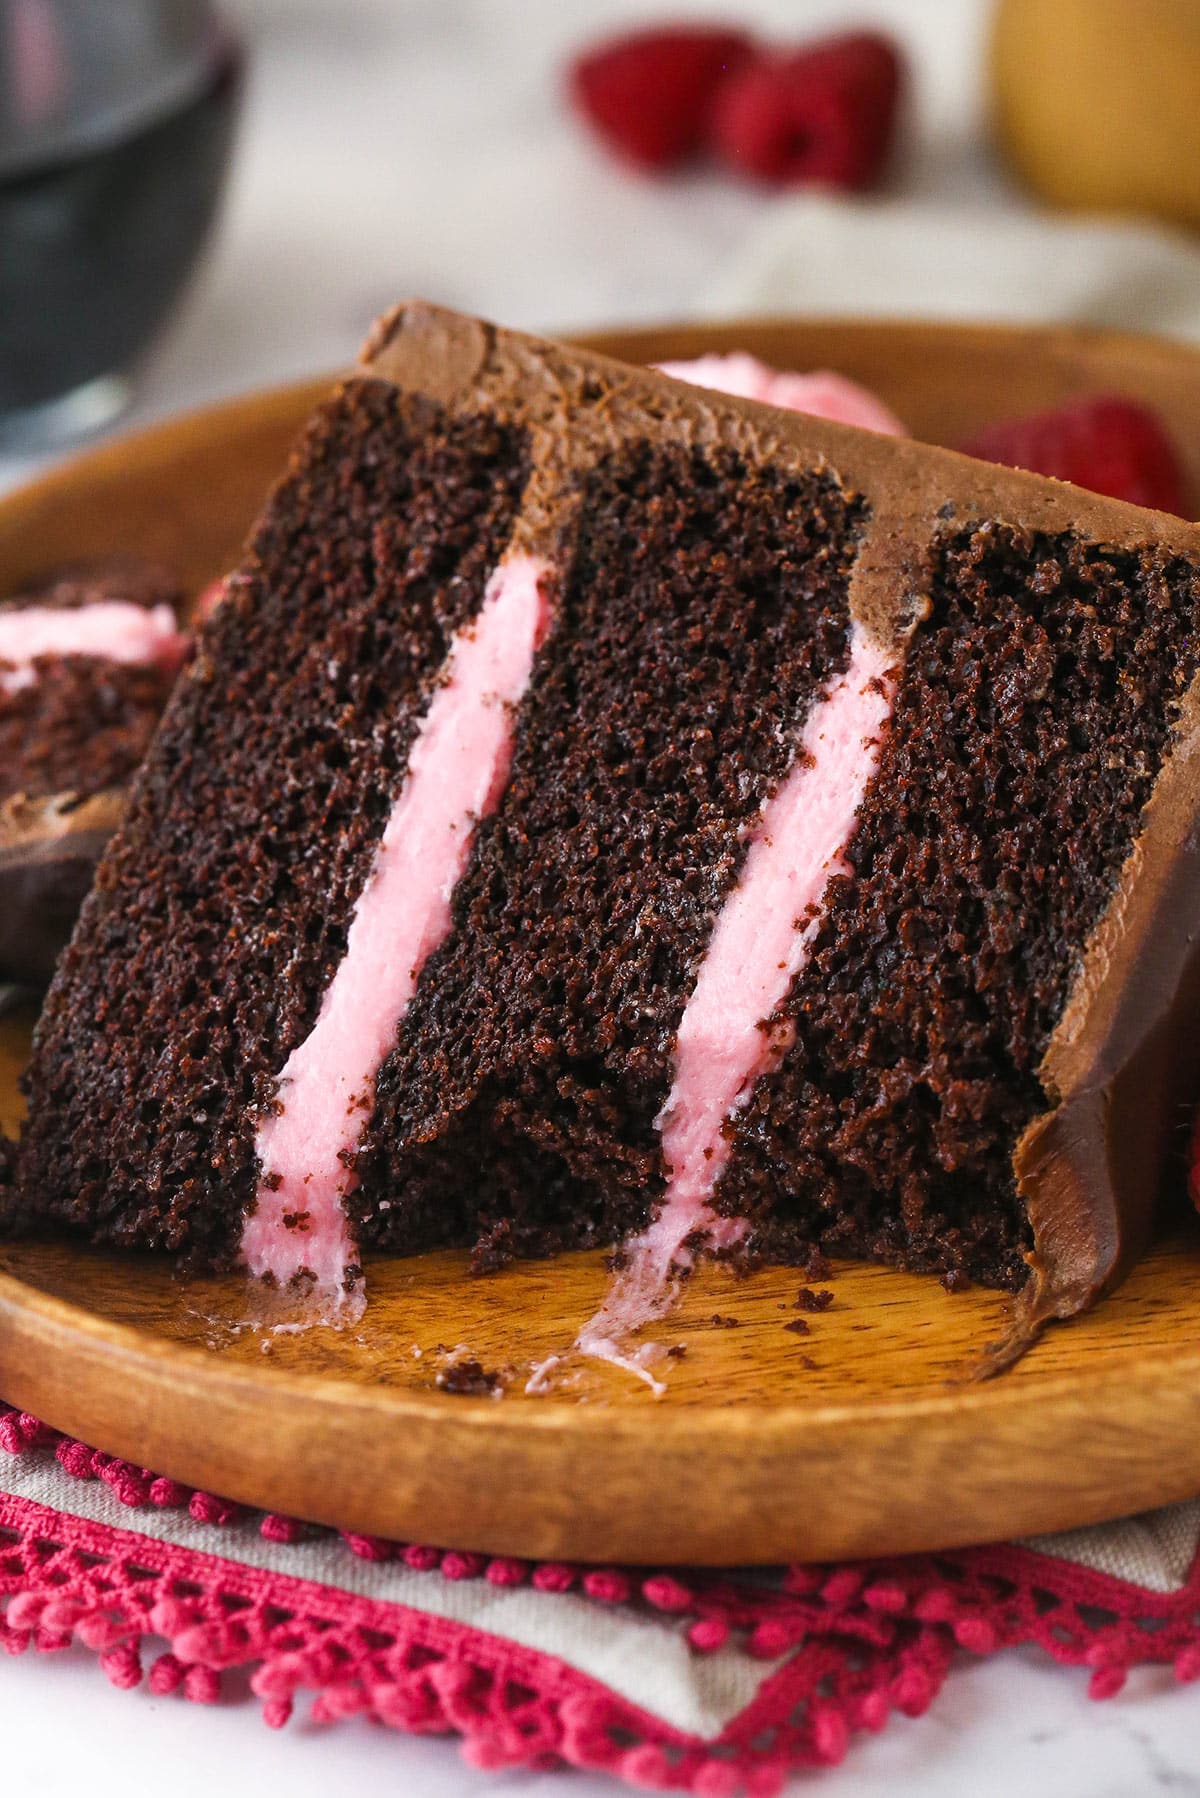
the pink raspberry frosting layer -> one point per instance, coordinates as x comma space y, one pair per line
726, 1041
112, 630
456, 773
822, 394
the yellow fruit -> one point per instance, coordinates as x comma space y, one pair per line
1097, 102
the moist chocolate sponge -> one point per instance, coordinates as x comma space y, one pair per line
1030, 725
222, 906
704, 606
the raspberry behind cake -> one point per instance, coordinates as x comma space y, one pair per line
603, 809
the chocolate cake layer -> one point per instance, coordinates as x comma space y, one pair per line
221, 910
705, 605
1031, 722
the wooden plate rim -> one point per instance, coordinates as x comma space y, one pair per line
19, 1300
65, 1334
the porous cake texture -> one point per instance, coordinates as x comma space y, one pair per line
1037, 700
672, 821
704, 607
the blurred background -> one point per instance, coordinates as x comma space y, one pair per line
443, 148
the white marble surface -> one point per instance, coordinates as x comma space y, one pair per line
394, 146
1002, 1728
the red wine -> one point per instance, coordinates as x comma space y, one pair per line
96, 242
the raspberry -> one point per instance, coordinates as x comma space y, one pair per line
824, 114
649, 93
1108, 444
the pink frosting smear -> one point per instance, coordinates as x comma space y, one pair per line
760, 942
112, 630
457, 770
821, 394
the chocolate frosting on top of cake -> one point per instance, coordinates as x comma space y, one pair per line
1124, 1057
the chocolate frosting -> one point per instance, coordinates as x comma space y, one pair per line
49, 848
1123, 1063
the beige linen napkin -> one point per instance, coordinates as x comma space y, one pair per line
905, 258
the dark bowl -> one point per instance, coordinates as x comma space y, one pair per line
96, 242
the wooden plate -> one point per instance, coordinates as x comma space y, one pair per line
861, 1437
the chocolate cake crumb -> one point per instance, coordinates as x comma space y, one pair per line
956, 1279
797, 1326
677, 1351
808, 1300
719, 1322
469, 1378
494, 1249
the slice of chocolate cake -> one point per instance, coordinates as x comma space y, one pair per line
603, 809
87, 661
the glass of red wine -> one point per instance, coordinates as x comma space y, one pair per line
116, 125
